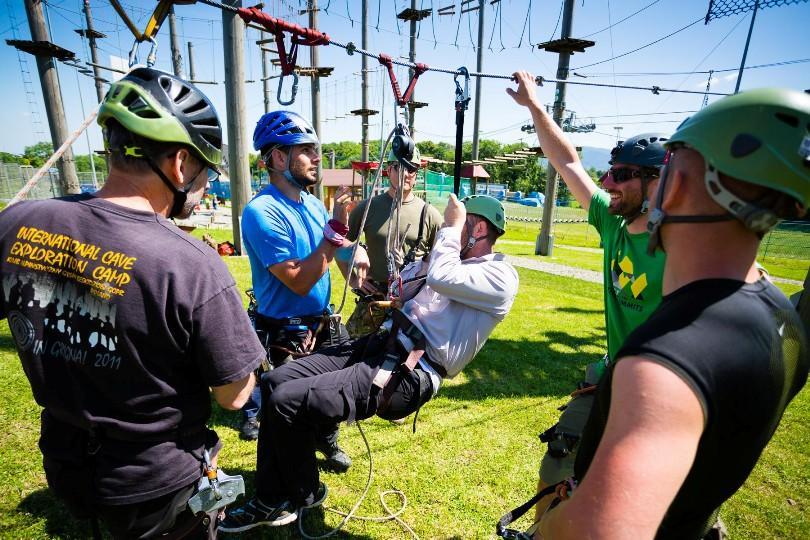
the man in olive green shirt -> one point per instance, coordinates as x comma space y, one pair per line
418, 224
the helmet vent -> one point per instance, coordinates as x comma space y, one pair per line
744, 145
216, 142
129, 98
205, 122
182, 93
194, 107
789, 119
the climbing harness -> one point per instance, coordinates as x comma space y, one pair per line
462, 100
561, 491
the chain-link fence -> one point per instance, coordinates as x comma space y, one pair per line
725, 8
789, 240
13, 177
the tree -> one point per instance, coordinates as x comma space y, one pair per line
6, 157
37, 154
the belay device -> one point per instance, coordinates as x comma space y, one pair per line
216, 489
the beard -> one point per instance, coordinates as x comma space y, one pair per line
627, 203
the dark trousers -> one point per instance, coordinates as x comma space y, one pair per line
325, 388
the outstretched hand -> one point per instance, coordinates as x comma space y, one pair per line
525, 94
456, 213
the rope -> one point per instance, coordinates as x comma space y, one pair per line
48, 164
350, 514
351, 49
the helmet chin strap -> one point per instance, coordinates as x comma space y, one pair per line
658, 217
179, 195
471, 240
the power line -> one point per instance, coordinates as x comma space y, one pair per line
667, 73
693, 23
611, 25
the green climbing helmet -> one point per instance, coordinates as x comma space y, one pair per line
161, 107
417, 156
488, 208
759, 136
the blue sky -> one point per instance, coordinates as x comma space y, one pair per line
780, 34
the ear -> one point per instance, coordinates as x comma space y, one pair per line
278, 156
480, 228
180, 163
676, 188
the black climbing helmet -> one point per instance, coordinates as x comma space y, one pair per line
645, 150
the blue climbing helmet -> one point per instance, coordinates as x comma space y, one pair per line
647, 152
282, 128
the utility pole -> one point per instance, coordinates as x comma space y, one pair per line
233, 35
265, 73
565, 46
91, 38
177, 57
364, 87
478, 83
316, 93
412, 59
745, 51
52, 95
191, 76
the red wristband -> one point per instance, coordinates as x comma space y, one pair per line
338, 227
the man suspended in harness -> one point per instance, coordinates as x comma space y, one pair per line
290, 241
418, 224
122, 345
697, 391
450, 307
632, 278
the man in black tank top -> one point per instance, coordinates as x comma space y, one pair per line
683, 415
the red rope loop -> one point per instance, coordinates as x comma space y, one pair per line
402, 99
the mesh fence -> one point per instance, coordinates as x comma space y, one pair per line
726, 8
13, 177
789, 240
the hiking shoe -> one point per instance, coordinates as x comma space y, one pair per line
336, 459
255, 513
249, 430
320, 496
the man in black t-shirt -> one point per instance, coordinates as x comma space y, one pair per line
682, 416
123, 322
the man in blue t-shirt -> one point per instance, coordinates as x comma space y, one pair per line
290, 242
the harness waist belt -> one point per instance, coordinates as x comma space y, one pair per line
262, 321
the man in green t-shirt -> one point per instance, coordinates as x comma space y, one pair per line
632, 279
418, 223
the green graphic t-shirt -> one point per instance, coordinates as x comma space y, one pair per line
633, 279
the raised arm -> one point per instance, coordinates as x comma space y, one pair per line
560, 152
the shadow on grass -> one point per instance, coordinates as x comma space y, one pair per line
59, 523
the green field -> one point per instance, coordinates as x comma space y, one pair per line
475, 452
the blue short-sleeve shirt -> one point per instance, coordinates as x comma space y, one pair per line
277, 229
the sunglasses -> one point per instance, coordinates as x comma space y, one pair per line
621, 175
213, 174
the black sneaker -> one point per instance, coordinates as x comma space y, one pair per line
249, 430
255, 513
336, 459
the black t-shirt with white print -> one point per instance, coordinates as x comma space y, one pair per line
122, 323
741, 348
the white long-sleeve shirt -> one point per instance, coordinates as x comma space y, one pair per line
462, 301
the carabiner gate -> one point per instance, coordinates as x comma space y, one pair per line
462, 96
292, 94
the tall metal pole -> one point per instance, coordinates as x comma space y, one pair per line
91, 38
191, 75
316, 94
177, 56
52, 95
364, 94
478, 82
745, 51
265, 74
233, 35
545, 241
412, 58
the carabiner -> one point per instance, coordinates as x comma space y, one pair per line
150, 60
292, 94
462, 96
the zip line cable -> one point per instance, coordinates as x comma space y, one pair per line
611, 25
316, 37
693, 23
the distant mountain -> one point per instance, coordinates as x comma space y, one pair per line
595, 157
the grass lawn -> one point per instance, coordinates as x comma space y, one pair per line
475, 452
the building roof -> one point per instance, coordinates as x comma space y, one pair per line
474, 171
